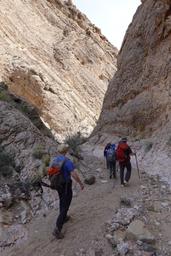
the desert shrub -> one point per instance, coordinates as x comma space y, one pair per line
24, 108
74, 142
6, 163
46, 159
4, 96
6, 171
38, 151
3, 86
5, 158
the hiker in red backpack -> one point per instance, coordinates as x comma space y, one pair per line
123, 153
65, 189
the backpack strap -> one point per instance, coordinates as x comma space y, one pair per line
63, 162
44, 184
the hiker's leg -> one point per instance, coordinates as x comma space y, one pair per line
107, 164
62, 210
60, 194
110, 169
69, 195
128, 172
114, 169
122, 167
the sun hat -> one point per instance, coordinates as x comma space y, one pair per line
63, 148
124, 139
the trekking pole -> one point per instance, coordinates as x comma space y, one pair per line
137, 165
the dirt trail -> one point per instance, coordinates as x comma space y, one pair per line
89, 210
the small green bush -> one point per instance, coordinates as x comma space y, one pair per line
5, 158
74, 142
24, 108
46, 159
7, 171
38, 151
4, 96
6, 163
3, 86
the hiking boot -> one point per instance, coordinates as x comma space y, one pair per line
114, 176
67, 218
57, 234
126, 183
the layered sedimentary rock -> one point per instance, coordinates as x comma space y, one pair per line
138, 99
54, 57
26, 146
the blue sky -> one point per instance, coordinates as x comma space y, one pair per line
111, 16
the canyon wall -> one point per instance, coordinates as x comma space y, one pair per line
52, 56
138, 99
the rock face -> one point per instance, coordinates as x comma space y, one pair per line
138, 99
21, 137
54, 57
25, 149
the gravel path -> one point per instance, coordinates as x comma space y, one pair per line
84, 233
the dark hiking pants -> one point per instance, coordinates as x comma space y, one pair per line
112, 168
65, 197
107, 163
128, 167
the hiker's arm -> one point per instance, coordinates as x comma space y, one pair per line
77, 179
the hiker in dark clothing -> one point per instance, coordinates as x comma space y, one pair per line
105, 154
111, 159
123, 153
65, 191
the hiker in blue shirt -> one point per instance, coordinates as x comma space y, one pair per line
65, 191
105, 154
111, 160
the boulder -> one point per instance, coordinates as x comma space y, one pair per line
137, 231
90, 180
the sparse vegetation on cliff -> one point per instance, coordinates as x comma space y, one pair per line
7, 164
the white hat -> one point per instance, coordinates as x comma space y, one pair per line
63, 148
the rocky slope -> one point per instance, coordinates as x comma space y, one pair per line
25, 149
107, 219
54, 57
138, 99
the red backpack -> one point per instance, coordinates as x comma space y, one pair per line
120, 152
55, 172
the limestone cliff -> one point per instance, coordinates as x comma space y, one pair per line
138, 99
54, 57
26, 146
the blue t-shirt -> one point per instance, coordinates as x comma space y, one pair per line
113, 146
67, 167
